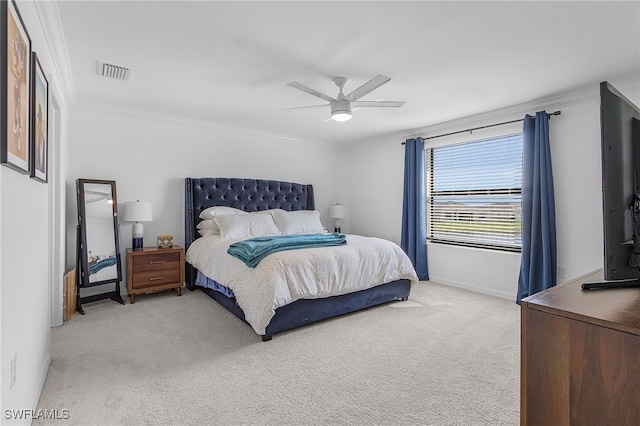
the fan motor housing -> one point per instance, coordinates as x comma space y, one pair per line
342, 106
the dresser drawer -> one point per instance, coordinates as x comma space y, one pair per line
154, 262
156, 278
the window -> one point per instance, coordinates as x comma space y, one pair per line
474, 193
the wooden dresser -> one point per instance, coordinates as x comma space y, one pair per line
152, 269
580, 356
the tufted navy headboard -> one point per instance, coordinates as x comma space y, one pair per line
245, 194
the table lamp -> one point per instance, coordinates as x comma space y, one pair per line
337, 212
137, 211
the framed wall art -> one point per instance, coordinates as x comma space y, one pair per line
39, 146
15, 89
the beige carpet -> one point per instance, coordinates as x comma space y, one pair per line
444, 357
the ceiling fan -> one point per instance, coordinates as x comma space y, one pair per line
342, 105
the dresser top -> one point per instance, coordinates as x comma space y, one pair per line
617, 308
154, 249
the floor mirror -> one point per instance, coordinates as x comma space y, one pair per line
98, 247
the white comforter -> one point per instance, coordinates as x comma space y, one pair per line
284, 277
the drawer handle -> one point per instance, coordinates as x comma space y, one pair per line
156, 278
156, 261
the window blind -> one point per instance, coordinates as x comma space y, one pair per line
474, 193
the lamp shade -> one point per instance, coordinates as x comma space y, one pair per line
137, 211
337, 211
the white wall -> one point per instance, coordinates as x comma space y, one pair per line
376, 178
26, 261
149, 156
377, 183
25, 287
575, 153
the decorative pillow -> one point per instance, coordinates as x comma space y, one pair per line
204, 232
211, 212
298, 222
245, 225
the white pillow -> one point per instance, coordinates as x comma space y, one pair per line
209, 213
246, 225
207, 224
298, 222
208, 227
270, 211
204, 232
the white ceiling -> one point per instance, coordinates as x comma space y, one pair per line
228, 62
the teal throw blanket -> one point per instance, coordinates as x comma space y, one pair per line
253, 250
101, 264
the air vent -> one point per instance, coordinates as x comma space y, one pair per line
117, 72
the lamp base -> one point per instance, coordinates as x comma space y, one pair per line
336, 225
137, 231
136, 243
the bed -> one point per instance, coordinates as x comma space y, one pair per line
252, 196
102, 268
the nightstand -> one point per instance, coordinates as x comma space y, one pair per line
152, 269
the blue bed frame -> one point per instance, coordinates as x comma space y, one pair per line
256, 195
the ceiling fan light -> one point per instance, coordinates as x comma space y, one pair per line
341, 110
341, 115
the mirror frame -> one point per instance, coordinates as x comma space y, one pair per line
83, 276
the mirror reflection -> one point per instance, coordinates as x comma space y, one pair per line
102, 260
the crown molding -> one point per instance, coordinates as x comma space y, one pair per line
49, 17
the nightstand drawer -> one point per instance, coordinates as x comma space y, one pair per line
152, 269
155, 278
154, 262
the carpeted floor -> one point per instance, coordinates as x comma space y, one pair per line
444, 357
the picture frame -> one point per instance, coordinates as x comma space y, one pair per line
39, 146
15, 89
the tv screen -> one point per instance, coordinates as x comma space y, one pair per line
620, 138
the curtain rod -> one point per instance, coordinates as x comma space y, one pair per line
550, 114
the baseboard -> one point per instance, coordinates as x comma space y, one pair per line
477, 289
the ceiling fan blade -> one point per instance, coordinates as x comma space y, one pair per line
364, 104
369, 86
306, 107
310, 91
